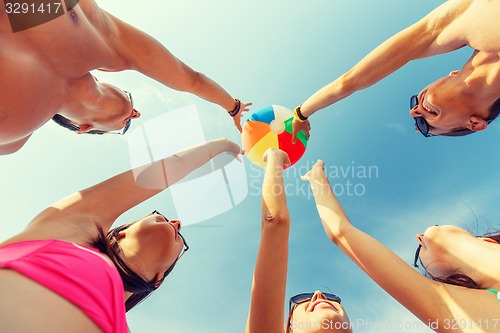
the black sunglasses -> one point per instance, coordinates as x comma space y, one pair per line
417, 255
420, 122
186, 246
304, 297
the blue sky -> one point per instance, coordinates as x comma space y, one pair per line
279, 52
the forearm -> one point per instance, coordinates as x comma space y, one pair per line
273, 190
374, 258
329, 208
394, 53
148, 56
168, 171
109, 199
266, 312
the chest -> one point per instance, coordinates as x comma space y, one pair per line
69, 46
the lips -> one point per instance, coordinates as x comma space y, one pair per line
322, 304
428, 108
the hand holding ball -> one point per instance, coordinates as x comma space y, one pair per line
271, 127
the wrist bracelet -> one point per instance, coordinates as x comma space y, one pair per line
298, 115
236, 109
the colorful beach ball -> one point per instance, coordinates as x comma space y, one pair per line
269, 127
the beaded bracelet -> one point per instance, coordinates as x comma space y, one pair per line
298, 115
236, 109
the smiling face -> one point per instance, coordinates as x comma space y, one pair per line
151, 245
451, 103
319, 315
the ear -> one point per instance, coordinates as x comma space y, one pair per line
477, 124
158, 277
84, 128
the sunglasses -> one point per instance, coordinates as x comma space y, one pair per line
420, 122
417, 256
186, 246
301, 298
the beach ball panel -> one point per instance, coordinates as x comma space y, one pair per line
301, 136
281, 113
294, 151
253, 131
257, 151
265, 115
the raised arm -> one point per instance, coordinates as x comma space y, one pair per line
430, 36
101, 204
269, 282
141, 52
430, 301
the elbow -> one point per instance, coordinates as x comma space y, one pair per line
349, 83
192, 81
336, 227
278, 218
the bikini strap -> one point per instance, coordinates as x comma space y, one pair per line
494, 291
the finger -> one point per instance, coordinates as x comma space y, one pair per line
238, 126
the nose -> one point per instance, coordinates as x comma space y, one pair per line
135, 114
415, 112
177, 224
420, 238
317, 295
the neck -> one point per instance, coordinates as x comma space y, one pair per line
482, 75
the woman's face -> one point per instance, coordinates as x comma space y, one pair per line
319, 315
439, 254
152, 244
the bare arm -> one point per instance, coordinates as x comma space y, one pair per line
430, 301
101, 204
269, 282
422, 39
143, 53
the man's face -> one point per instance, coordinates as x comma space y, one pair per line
450, 104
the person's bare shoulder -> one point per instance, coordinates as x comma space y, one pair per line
479, 25
445, 22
